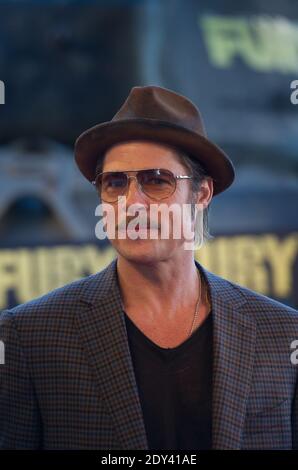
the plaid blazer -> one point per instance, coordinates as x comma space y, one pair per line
68, 380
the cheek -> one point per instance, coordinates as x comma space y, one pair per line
183, 194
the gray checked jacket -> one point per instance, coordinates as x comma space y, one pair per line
68, 380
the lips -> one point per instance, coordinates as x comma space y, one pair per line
141, 227
137, 228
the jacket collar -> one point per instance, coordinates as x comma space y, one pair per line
102, 326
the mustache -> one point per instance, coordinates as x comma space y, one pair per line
123, 225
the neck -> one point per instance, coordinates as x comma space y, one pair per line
163, 289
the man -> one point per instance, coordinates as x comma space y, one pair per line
155, 351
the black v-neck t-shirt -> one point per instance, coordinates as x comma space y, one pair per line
175, 388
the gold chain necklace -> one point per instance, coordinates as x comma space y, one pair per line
197, 307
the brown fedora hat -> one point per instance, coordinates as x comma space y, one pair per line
160, 115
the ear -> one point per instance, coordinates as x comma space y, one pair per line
205, 193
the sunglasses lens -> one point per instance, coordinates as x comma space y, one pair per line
157, 184
112, 185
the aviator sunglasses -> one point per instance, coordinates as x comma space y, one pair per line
156, 183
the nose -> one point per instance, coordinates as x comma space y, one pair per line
134, 193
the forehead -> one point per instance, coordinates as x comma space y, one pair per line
140, 154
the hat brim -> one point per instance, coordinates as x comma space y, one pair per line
94, 142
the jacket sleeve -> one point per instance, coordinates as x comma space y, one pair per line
295, 419
20, 422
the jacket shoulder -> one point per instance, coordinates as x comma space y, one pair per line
265, 308
53, 302
238, 295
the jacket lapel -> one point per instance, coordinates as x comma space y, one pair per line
102, 327
234, 334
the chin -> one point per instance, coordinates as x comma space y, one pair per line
145, 251
141, 251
